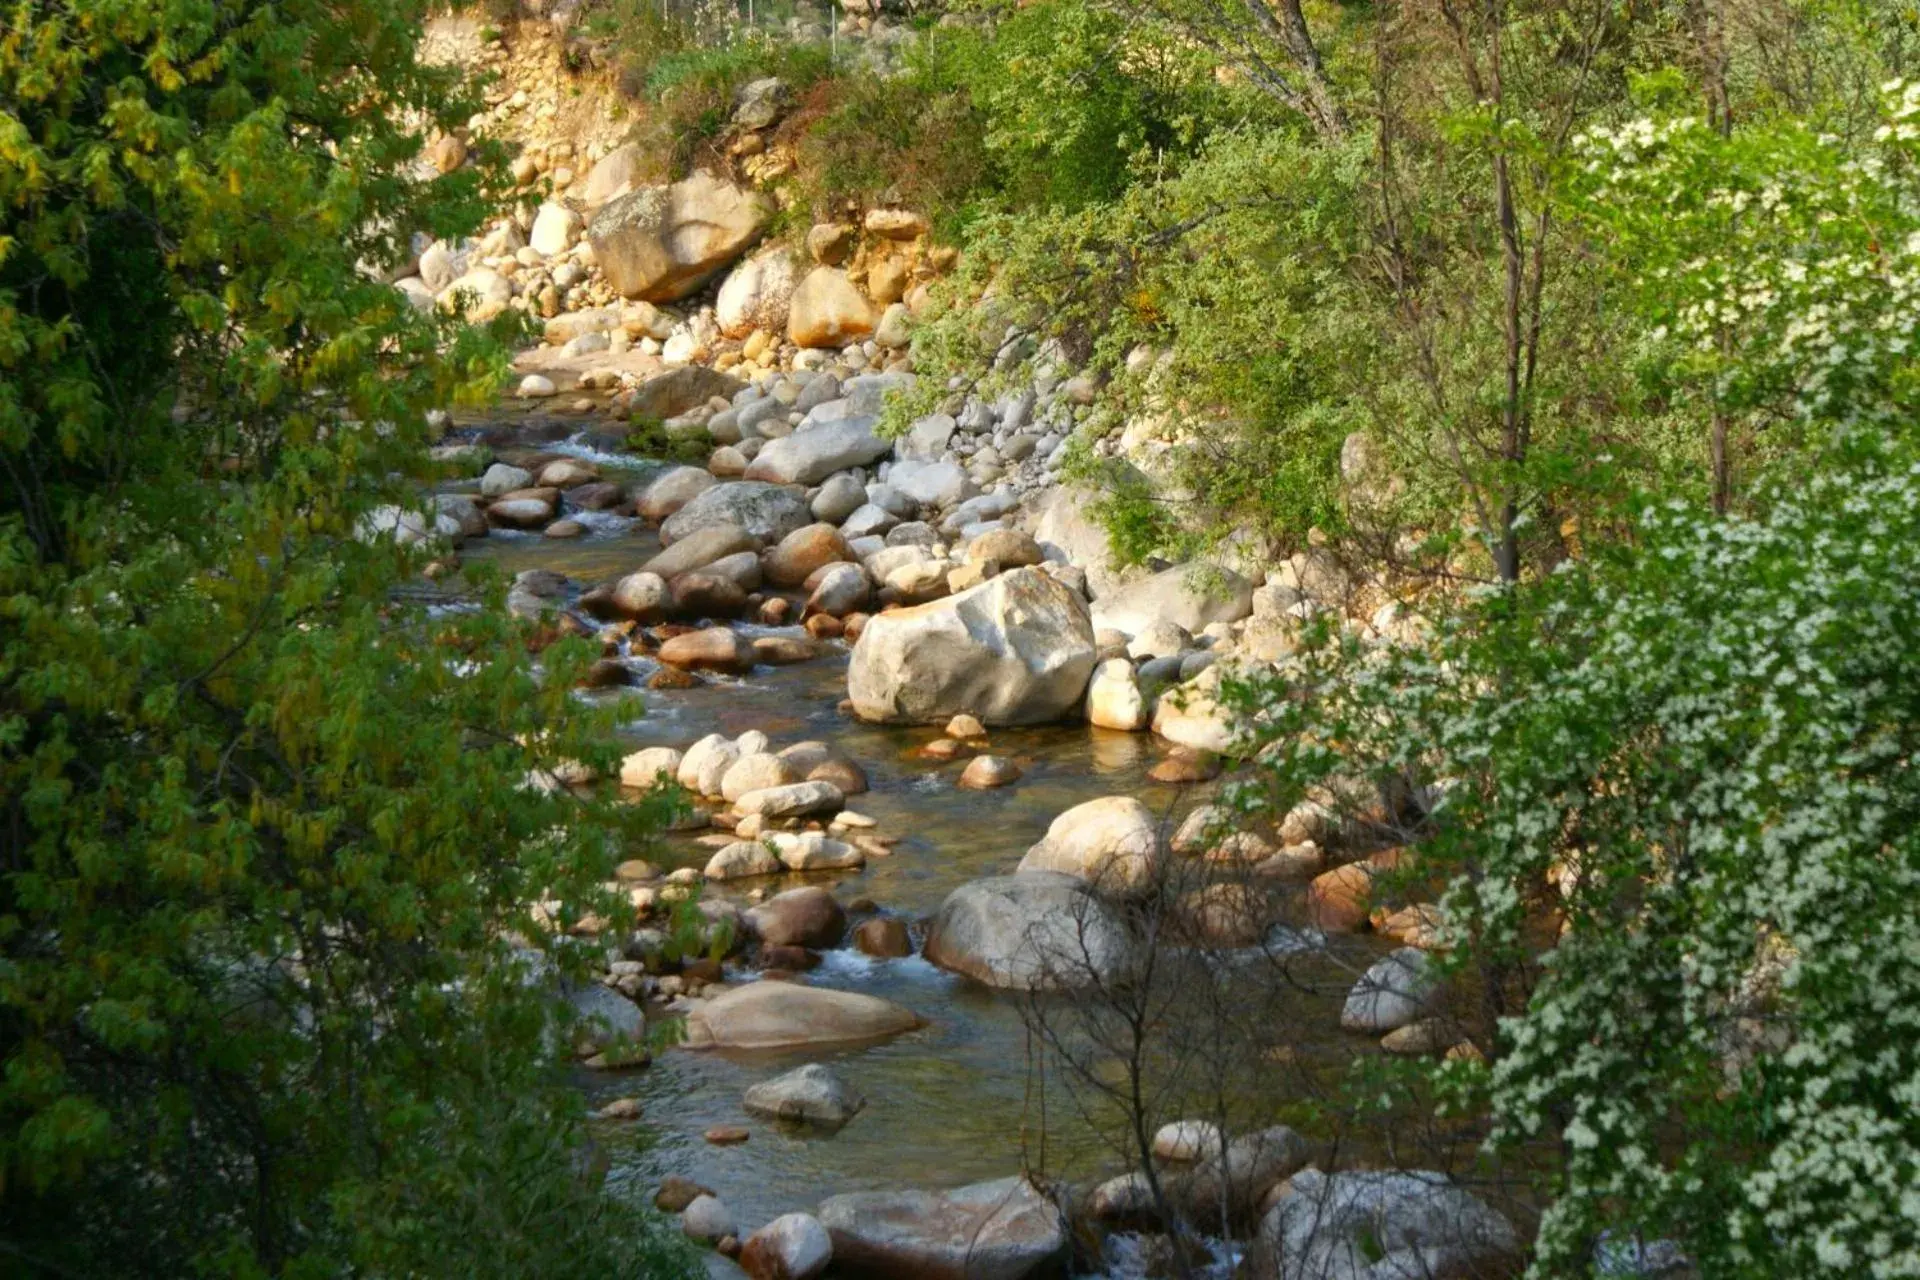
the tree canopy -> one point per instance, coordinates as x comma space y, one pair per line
271, 997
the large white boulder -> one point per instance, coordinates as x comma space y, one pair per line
1189, 596
662, 243
1017, 649
554, 228
1113, 844
706, 763
1065, 531
1192, 714
649, 766
1383, 1225
757, 294
810, 455
1033, 931
768, 512
1114, 700
478, 296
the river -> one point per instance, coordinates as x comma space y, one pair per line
949, 1104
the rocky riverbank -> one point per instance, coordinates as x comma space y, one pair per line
968, 597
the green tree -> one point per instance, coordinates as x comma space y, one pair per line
272, 998
1670, 786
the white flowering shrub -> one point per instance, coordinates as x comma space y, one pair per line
1783, 264
1682, 825
1671, 786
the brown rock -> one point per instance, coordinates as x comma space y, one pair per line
608, 673
1009, 548
1337, 900
708, 595
1414, 926
782, 651
983, 773
673, 678
970, 575
715, 649
827, 311
887, 280
849, 777
1294, 862
884, 937
807, 917
1422, 1039
676, 391
726, 1135
788, 958
831, 243
676, 1193
447, 152
824, 626
598, 495
1186, 766
803, 552
776, 611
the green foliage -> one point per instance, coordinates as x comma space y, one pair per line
1687, 762
687, 67
1210, 303
1671, 782
915, 137
273, 836
648, 437
1071, 94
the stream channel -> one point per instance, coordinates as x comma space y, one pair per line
949, 1104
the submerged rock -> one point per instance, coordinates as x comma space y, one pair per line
786, 1015
1001, 1230
813, 1094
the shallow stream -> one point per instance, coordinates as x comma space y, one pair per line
947, 1105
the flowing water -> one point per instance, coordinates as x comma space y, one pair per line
949, 1104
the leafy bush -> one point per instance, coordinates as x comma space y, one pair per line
273, 835
1671, 783
687, 67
